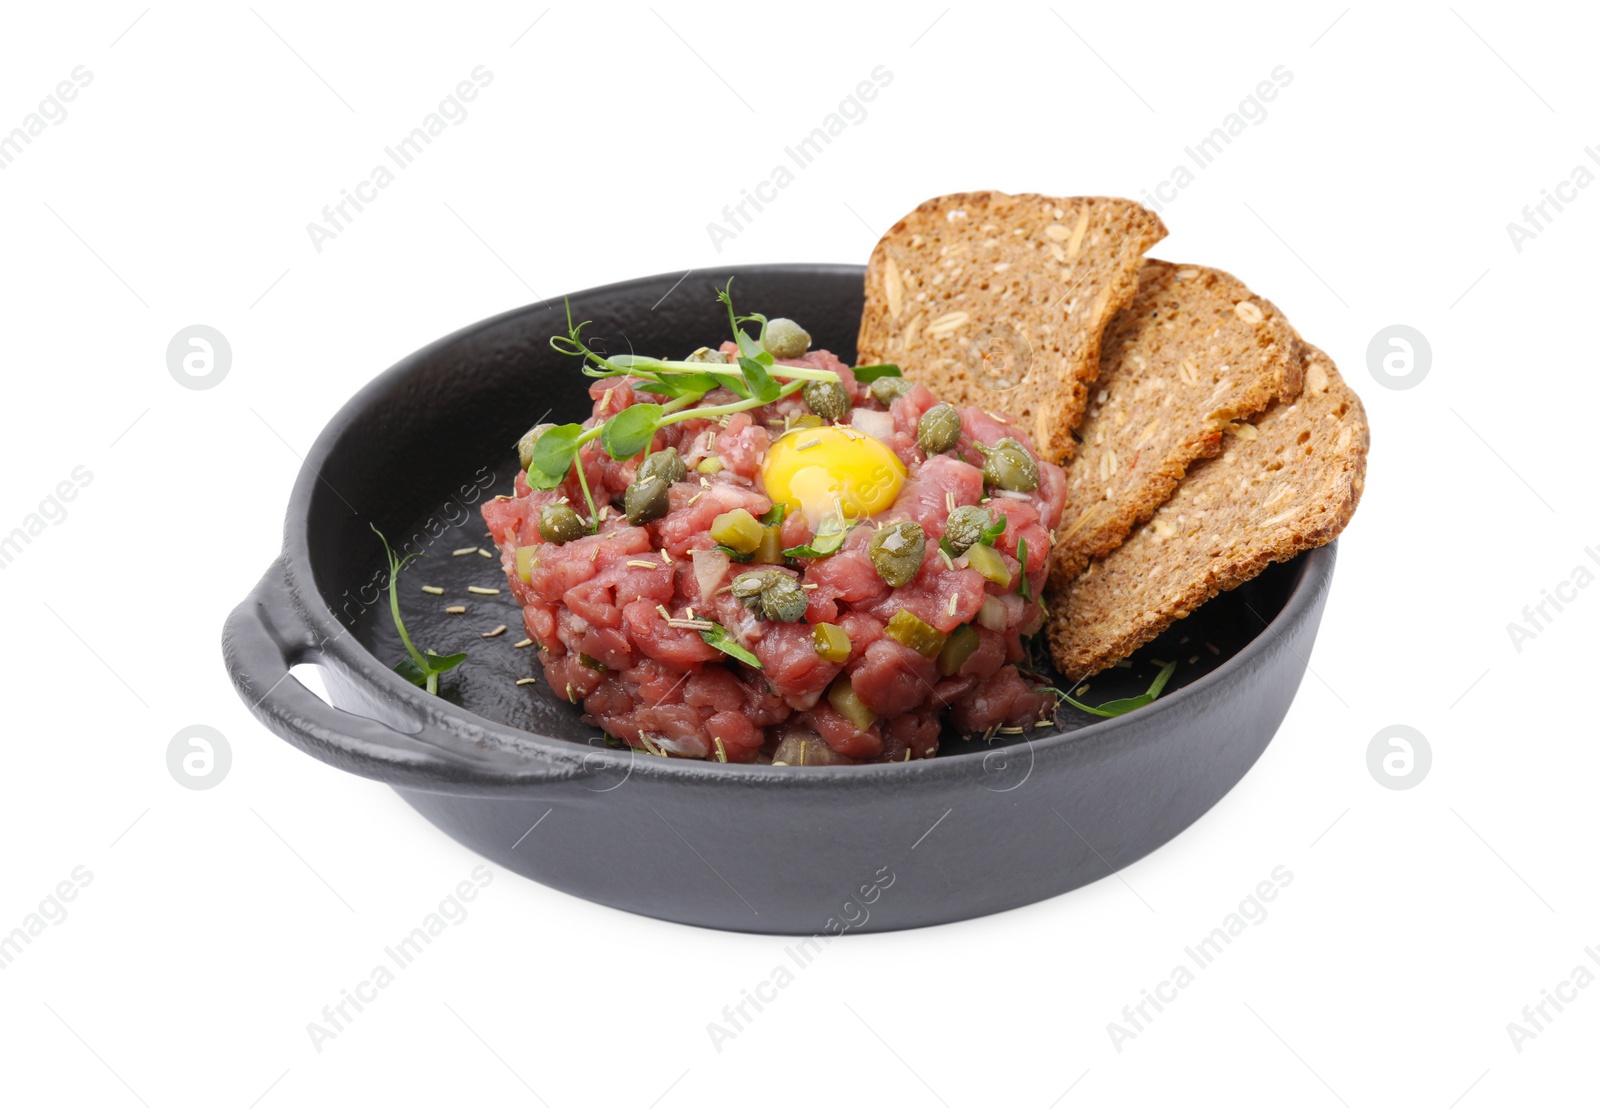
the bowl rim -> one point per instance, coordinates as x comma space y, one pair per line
388, 689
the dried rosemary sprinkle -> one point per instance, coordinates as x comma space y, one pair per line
487, 592
644, 565
459, 551
435, 590
455, 609
528, 643
484, 553
525, 682
498, 630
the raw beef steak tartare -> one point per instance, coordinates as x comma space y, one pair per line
787, 564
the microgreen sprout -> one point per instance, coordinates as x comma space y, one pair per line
421, 668
759, 380
1118, 706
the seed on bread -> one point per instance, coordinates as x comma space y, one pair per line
1181, 368
999, 301
1292, 488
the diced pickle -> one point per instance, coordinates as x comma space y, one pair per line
525, 563
737, 530
988, 562
713, 464
842, 697
958, 648
769, 548
915, 633
831, 641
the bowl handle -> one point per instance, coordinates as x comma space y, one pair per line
269, 632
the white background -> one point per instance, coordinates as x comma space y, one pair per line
218, 924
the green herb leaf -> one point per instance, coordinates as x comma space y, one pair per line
733, 382
723, 641
1022, 557
630, 431
774, 515
866, 374
408, 670
737, 556
995, 531
687, 383
1118, 706
421, 669
553, 453
826, 542
439, 664
761, 383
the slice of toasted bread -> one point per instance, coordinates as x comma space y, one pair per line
999, 300
1193, 352
1285, 484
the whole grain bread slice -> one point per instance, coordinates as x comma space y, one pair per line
1195, 351
1285, 484
999, 300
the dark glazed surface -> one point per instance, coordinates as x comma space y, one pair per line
973, 831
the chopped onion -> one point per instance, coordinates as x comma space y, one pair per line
992, 614
878, 424
710, 567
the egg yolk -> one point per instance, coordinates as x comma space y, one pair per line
827, 470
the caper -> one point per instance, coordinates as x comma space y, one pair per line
827, 398
938, 429
558, 523
896, 551
785, 339
525, 443
645, 500
663, 463
704, 356
887, 389
771, 594
750, 584
966, 526
784, 600
1008, 465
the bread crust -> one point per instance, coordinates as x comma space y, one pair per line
1287, 483
1194, 352
999, 301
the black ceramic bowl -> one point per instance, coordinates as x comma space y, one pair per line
512, 773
